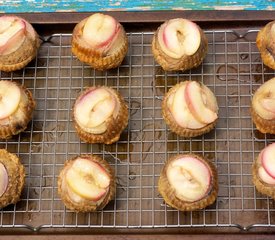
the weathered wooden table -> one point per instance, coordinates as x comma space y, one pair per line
130, 5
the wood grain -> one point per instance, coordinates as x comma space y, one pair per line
11, 6
211, 17
143, 237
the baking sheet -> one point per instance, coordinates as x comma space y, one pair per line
232, 70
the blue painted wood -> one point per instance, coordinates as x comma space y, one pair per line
13, 6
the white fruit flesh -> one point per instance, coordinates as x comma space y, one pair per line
180, 110
268, 160
268, 104
94, 108
4, 179
5, 23
179, 37
86, 166
190, 178
88, 179
99, 30
264, 100
197, 103
265, 177
209, 98
10, 95
82, 188
12, 34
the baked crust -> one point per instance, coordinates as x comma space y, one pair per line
264, 42
262, 187
263, 125
16, 174
169, 194
86, 205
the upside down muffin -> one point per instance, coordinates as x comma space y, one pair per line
100, 114
86, 183
19, 43
179, 44
190, 109
100, 41
188, 182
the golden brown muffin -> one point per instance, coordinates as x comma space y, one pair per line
188, 182
100, 114
190, 109
263, 107
16, 108
12, 175
100, 41
265, 42
263, 171
179, 44
86, 183
19, 43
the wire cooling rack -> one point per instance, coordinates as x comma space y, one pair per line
232, 70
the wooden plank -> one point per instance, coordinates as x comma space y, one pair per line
11, 6
143, 237
212, 17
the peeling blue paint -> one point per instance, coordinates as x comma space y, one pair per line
13, 6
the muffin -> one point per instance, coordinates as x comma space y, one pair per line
86, 183
190, 109
100, 41
263, 107
263, 171
100, 114
188, 182
12, 174
265, 42
179, 44
19, 43
16, 108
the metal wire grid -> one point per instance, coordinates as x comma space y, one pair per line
232, 70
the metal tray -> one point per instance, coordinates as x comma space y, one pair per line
232, 70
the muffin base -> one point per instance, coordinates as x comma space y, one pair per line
114, 126
262, 187
184, 63
263, 125
16, 174
14, 127
169, 195
85, 205
261, 42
